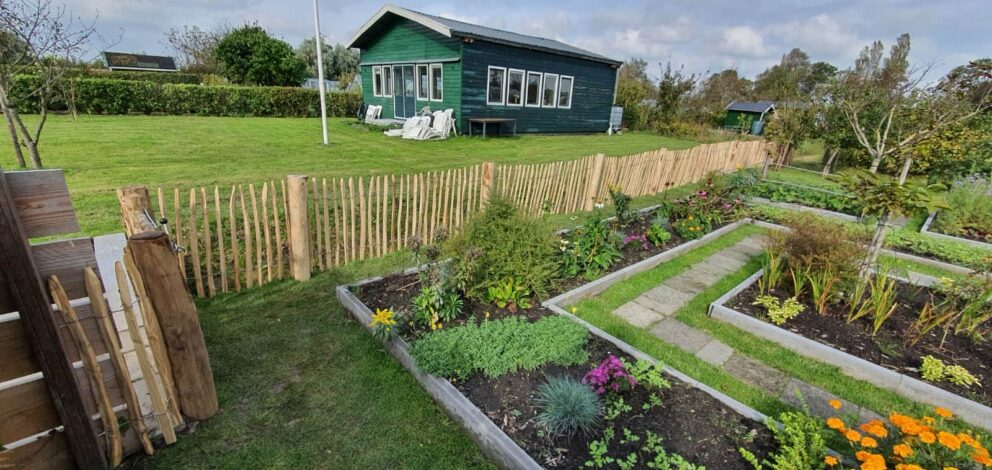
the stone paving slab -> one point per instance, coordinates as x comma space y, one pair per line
671, 299
756, 373
679, 334
715, 353
710, 267
732, 264
651, 304
686, 285
637, 314
801, 394
756, 242
736, 255
704, 277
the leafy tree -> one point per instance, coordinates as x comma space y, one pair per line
195, 48
338, 60
709, 102
633, 87
249, 56
673, 89
781, 82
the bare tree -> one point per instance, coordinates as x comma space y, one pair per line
42, 38
194, 47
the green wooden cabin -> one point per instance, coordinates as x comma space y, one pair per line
749, 115
410, 60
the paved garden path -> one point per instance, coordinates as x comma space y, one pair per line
656, 308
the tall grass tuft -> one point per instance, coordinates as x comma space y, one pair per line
568, 407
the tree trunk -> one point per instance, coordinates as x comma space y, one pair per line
875, 163
18, 152
26, 136
906, 165
768, 162
828, 166
875, 247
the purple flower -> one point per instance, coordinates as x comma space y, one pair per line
610, 375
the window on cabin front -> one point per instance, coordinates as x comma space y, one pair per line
550, 95
533, 89
423, 86
495, 90
437, 83
565, 91
376, 80
515, 88
387, 80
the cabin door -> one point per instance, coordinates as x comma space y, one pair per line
404, 99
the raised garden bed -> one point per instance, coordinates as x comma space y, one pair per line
794, 206
693, 420
885, 359
973, 240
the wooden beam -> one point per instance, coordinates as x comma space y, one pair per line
176, 313
29, 295
42, 202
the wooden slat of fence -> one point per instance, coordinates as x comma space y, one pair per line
194, 244
316, 225
220, 240
269, 259
258, 234
235, 249
363, 217
328, 256
208, 240
249, 270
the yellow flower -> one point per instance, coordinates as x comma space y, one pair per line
487, 315
874, 462
575, 309
852, 435
690, 218
949, 440
383, 317
943, 412
830, 460
902, 450
950, 468
862, 455
835, 423
875, 428
927, 437
869, 442
835, 404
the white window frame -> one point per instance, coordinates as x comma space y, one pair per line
554, 95
430, 80
540, 89
502, 101
523, 86
376, 90
423, 97
571, 89
387, 85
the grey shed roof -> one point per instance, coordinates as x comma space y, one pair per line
451, 28
751, 107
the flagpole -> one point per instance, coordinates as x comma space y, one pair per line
319, 43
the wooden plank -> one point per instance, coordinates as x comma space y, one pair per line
41, 199
258, 234
194, 245
235, 254
88, 321
269, 273
338, 234
26, 410
277, 228
249, 272
361, 209
18, 360
328, 256
46, 453
351, 203
300, 261
177, 315
177, 231
316, 225
66, 259
218, 219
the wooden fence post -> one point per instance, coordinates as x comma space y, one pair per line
173, 304
486, 188
136, 209
594, 181
299, 228
18, 268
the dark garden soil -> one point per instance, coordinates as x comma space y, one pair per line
690, 422
889, 348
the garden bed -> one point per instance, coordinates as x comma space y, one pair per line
507, 403
981, 241
885, 359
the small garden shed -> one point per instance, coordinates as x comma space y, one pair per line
749, 115
410, 60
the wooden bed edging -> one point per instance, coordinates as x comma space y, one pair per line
801, 208
855, 367
925, 230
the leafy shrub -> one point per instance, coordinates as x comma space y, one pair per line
903, 441
568, 407
656, 233
935, 370
821, 199
817, 245
502, 242
691, 227
780, 312
110, 96
801, 445
501, 346
509, 295
954, 252
970, 213
156, 77
621, 205
590, 249
434, 306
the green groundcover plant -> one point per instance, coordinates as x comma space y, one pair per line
501, 346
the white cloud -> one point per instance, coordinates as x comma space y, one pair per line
822, 36
743, 41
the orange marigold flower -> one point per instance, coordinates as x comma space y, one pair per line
875, 428
943, 412
869, 442
862, 455
902, 450
927, 437
908, 466
835, 404
982, 459
852, 435
874, 462
830, 460
950, 468
929, 420
949, 440
835, 423
967, 439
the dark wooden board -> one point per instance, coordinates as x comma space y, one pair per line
15, 351
43, 202
48, 453
66, 259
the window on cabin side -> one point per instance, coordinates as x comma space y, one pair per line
496, 85
423, 86
376, 81
533, 89
515, 87
565, 91
437, 83
550, 94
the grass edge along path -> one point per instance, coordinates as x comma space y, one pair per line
598, 311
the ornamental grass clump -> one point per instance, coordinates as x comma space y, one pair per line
568, 407
908, 443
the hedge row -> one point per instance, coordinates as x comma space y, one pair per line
157, 77
106, 96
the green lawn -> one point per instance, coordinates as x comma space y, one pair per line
102, 153
302, 385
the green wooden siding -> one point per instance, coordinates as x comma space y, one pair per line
733, 118
592, 90
405, 42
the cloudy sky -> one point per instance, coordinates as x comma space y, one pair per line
704, 35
